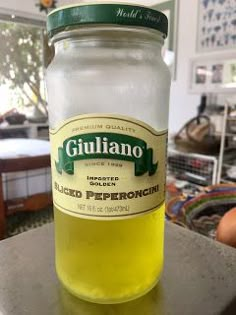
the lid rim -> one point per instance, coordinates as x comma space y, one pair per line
103, 13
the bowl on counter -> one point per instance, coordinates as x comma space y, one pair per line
15, 119
202, 213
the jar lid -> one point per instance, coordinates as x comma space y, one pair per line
105, 13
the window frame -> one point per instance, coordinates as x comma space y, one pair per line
22, 17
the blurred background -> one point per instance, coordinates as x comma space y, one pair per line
200, 52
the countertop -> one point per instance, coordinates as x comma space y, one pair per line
199, 278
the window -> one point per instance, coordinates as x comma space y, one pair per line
22, 67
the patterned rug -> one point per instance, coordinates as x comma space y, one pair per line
24, 221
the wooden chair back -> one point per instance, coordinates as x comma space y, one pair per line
29, 203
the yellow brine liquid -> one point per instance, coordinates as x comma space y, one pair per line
109, 261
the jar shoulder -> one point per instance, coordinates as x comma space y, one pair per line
67, 66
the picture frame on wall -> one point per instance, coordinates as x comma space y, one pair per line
213, 75
216, 25
171, 10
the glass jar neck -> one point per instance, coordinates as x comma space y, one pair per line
102, 35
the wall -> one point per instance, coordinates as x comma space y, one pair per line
182, 105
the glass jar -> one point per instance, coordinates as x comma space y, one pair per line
108, 92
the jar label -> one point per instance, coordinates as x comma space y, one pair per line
107, 166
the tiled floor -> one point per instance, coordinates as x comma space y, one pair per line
24, 221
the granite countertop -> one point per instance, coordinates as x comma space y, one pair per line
199, 278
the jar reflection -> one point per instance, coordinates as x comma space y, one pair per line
149, 304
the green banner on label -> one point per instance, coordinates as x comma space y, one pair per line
106, 146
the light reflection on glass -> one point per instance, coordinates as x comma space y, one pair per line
149, 304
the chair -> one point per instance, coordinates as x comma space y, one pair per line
29, 203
